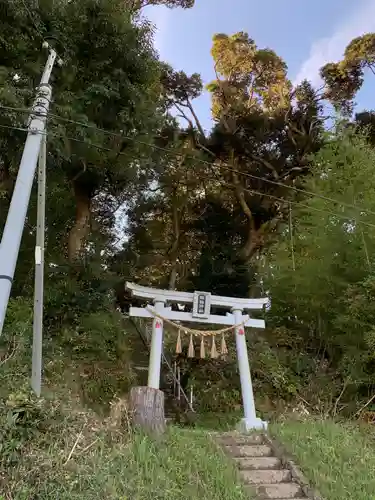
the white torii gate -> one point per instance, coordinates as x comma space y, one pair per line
202, 302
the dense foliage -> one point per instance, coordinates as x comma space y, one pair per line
137, 189
321, 273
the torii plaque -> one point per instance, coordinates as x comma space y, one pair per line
202, 302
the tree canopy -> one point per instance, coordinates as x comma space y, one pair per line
109, 81
321, 272
344, 78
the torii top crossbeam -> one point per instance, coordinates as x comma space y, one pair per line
186, 298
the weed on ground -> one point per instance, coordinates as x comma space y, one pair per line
338, 458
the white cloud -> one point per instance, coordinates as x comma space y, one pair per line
361, 21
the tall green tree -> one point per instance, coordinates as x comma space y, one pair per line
345, 78
109, 81
248, 78
162, 246
160, 224
264, 131
320, 275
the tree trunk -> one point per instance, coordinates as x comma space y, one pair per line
253, 243
81, 229
173, 276
147, 407
173, 253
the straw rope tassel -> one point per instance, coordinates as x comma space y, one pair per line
223, 349
203, 352
191, 350
178, 345
214, 353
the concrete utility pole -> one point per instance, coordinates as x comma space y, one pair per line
12, 234
36, 371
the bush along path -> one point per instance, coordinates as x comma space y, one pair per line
264, 471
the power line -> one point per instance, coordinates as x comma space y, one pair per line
223, 165
251, 191
11, 127
301, 204
49, 133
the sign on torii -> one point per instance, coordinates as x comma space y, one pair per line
202, 302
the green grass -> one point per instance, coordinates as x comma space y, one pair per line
338, 458
109, 462
65, 447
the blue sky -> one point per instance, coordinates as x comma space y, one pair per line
305, 33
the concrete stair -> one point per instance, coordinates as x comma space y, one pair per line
262, 473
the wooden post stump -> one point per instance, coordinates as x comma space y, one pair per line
147, 407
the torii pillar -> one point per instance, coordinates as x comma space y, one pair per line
156, 351
250, 420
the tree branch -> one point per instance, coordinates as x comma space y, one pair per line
240, 195
266, 164
197, 122
183, 115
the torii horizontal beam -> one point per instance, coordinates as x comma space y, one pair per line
186, 298
229, 319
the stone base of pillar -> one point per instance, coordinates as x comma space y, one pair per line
247, 425
147, 409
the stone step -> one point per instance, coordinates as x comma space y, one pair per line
236, 439
260, 450
266, 476
258, 463
279, 491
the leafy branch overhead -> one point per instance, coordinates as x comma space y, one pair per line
265, 130
137, 5
345, 78
247, 77
257, 137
